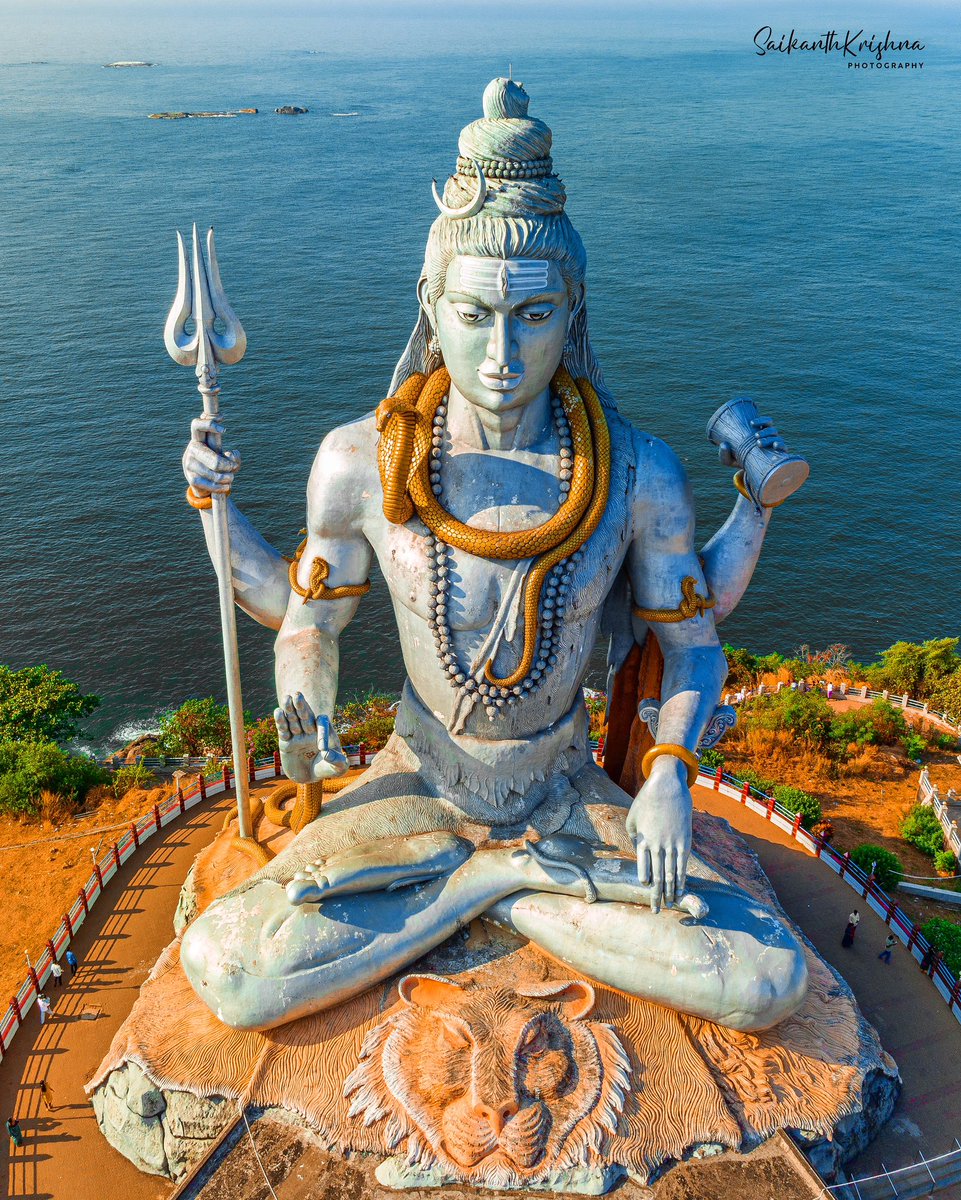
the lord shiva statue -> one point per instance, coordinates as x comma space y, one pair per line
515, 516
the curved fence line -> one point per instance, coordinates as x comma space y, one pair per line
866, 887
164, 814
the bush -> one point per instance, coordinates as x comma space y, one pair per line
922, 828
198, 729
915, 668
39, 705
797, 801
596, 703
711, 759
28, 769
946, 937
887, 721
262, 737
130, 777
946, 861
368, 722
756, 780
914, 746
888, 868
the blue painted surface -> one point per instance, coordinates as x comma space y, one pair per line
782, 228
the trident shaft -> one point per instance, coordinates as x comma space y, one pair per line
200, 296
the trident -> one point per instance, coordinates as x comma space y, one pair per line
201, 297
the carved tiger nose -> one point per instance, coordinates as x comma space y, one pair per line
496, 1115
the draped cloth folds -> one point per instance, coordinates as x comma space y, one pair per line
628, 738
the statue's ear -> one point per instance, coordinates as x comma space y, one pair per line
572, 998
423, 299
429, 991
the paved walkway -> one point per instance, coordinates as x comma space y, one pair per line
902, 1004
64, 1154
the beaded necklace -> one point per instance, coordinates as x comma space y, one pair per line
553, 599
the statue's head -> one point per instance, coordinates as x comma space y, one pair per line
502, 288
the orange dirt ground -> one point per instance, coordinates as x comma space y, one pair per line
866, 803
44, 867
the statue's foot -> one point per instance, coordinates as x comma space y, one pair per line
379, 866
575, 867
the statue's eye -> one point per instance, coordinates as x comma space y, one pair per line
534, 315
470, 315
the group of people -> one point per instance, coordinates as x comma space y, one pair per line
44, 1005
854, 920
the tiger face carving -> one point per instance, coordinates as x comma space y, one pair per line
495, 1087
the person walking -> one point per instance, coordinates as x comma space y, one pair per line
16, 1133
56, 973
885, 955
43, 1004
854, 920
72, 962
46, 1095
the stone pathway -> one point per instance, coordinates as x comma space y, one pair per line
64, 1154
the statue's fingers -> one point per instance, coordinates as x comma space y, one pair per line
670, 877
323, 732
307, 719
201, 426
657, 872
643, 865
682, 857
293, 717
205, 483
761, 423
283, 725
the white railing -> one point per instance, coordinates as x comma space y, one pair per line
920, 1178
928, 794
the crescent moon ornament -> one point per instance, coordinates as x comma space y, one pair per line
472, 207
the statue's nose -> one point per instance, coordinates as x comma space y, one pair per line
500, 347
496, 1115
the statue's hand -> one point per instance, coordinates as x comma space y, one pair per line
660, 824
765, 435
309, 750
208, 470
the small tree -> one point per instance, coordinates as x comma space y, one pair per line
796, 800
197, 729
28, 769
922, 828
41, 705
888, 868
946, 937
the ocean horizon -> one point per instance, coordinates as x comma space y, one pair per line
779, 226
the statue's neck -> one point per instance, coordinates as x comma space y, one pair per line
520, 428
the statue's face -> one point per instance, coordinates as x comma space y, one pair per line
502, 324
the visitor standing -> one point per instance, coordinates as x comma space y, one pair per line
72, 962
46, 1095
16, 1133
56, 973
885, 955
43, 1004
854, 920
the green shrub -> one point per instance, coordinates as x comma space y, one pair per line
915, 668
946, 860
887, 721
29, 768
756, 780
914, 746
39, 705
262, 737
797, 801
946, 937
130, 777
198, 729
888, 868
711, 759
368, 722
922, 828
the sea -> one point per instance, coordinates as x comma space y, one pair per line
776, 225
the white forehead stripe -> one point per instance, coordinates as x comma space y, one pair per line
498, 274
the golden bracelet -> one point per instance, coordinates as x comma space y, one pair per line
197, 501
742, 488
675, 751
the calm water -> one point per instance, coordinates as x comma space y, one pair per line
784, 228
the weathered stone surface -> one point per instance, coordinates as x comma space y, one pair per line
648, 1086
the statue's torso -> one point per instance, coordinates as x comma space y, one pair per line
500, 491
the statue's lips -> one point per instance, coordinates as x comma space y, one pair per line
505, 382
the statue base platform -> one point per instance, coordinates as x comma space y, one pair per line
595, 1087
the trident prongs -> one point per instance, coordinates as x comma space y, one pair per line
200, 295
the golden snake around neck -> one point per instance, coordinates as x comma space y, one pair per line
405, 422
